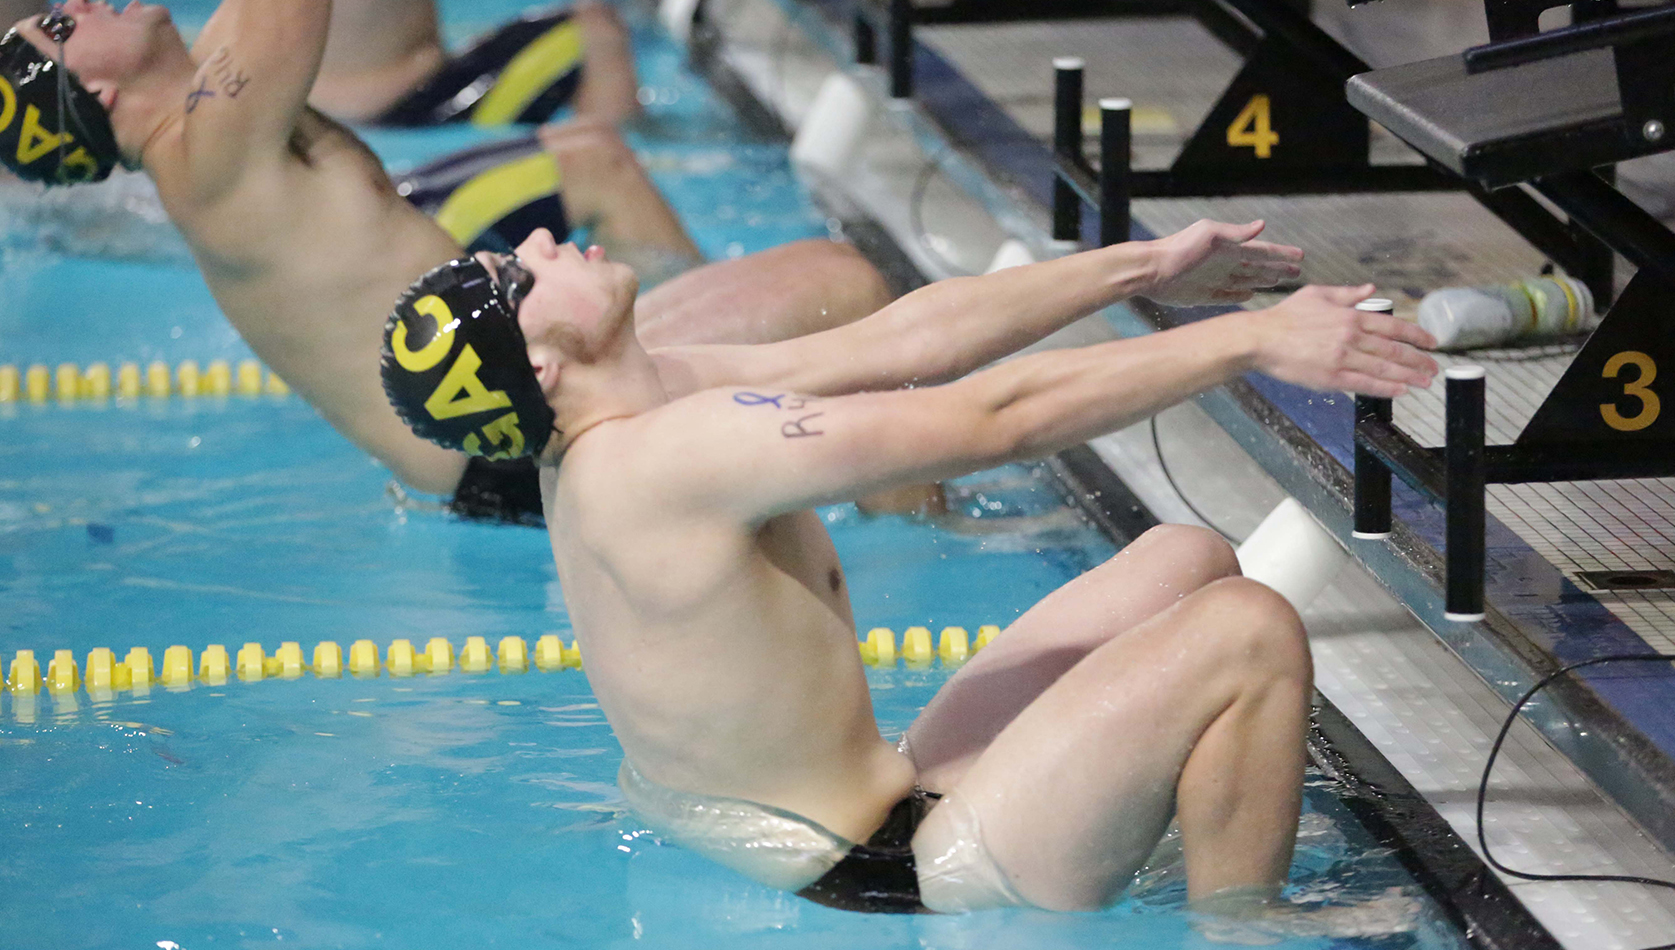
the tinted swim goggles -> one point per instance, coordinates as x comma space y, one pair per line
513, 280
58, 25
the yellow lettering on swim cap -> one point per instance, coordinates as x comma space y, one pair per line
34, 142
447, 402
8, 104
498, 431
439, 345
78, 159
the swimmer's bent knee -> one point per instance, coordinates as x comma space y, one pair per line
1264, 628
1193, 545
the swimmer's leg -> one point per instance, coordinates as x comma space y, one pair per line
608, 90
377, 53
1152, 573
606, 191
1198, 712
776, 294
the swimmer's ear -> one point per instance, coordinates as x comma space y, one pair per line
547, 362
104, 89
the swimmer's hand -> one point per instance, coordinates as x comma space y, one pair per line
1316, 338
1211, 262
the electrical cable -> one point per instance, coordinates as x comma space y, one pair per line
1494, 751
1157, 446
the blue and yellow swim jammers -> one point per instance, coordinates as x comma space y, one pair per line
521, 73
489, 198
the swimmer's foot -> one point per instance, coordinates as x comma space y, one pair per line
1251, 918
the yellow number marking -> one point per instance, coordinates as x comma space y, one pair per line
1640, 389
498, 432
439, 345
1253, 128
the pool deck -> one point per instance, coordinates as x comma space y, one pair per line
1428, 693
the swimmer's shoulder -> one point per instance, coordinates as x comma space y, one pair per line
320, 158
651, 462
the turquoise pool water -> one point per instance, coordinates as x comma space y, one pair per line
430, 812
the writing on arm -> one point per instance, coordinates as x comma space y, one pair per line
223, 73
796, 428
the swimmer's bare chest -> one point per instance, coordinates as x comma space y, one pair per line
799, 545
323, 212
723, 653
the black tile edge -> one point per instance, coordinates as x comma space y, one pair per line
897, 268
1475, 900
704, 58
1109, 503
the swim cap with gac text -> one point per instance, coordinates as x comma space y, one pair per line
52, 129
456, 368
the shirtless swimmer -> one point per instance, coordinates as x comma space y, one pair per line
719, 638
297, 229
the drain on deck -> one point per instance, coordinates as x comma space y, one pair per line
1626, 580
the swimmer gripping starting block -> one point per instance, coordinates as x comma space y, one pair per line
1543, 109
103, 674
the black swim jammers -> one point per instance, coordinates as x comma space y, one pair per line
881, 876
521, 73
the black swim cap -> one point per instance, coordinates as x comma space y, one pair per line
40, 142
456, 367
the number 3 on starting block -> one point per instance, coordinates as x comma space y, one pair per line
1640, 388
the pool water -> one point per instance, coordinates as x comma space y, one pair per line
427, 812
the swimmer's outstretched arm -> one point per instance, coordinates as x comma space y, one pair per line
948, 329
759, 453
256, 63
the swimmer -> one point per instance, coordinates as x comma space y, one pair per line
385, 64
301, 236
716, 622
303, 239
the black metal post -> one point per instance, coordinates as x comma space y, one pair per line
1115, 155
866, 41
1067, 140
901, 49
1465, 558
1618, 30
1372, 477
